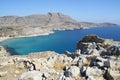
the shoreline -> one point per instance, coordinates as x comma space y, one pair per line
39, 34
45, 33
42, 34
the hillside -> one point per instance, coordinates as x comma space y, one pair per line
94, 59
41, 24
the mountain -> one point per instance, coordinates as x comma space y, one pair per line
40, 24
44, 20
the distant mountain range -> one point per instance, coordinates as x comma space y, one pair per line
41, 23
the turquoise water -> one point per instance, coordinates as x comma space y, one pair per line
60, 42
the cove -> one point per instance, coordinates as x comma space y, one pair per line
59, 42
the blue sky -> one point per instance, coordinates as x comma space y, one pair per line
81, 10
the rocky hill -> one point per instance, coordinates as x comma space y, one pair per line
40, 24
35, 24
94, 59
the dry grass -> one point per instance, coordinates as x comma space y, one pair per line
61, 66
79, 78
89, 59
106, 46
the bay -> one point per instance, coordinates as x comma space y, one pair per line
59, 42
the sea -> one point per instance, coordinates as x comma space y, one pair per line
59, 42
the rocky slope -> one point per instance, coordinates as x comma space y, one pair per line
40, 24
94, 59
35, 24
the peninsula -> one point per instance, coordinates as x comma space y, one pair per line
41, 24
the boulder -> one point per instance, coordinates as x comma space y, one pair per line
113, 74
81, 61
34, 75
95, 52
113, 50
108, 76
95, 78
2, 74
107, 63
93, 71
64, 58
72, 71
86, 48
115, 64
92, 38
78, 51
100, 62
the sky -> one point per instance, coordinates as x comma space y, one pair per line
81, 10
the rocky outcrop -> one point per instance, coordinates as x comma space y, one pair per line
4, 52
114, 50
86, 63
72, 71
92, 38
91, 44
31, 75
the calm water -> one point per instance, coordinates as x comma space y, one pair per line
59, 42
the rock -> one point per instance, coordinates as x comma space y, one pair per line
93, 71
78, 51
86, 48
2, 74
34, 75
112, 74
52, 60
83, 71
95, 52
95, 78
114, 64
3, 52
82, 61
101, 59
107, 63
100, 62
113, 50
92, 38
107, 75
29, 65
72, 71
86, 64
66, 78
20, 65
42, 62
91, 44
75, 60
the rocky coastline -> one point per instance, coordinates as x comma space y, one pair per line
94, 59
